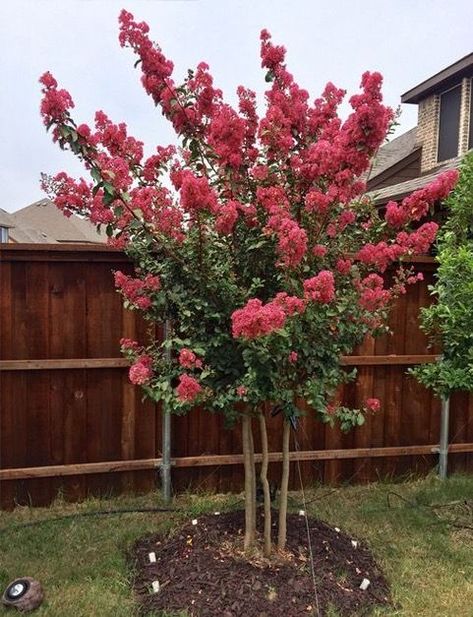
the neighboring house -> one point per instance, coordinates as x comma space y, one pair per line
6, 223
443, 135
43, 223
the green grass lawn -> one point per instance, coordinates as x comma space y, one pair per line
428, 558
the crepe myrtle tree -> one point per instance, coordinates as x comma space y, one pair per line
253, 238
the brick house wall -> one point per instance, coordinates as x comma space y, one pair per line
428, 125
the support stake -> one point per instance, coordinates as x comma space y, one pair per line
443, 449
166, 440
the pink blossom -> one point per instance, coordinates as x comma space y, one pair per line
155, 66
260, 172
188, 388
129, 344
293, 357
291, 305
115, 138
257, 319
271, 55
196, 193
319, 250
188, 359
227, 217
373, 296
141, 372
135, 290
380, 255
321, 287
55, 103
241, 391
226, 135
343, 266
419, 241
395, 215
372, 404
292, 244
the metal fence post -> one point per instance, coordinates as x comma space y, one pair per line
443, 447
166, 438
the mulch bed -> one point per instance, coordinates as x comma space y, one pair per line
201, 570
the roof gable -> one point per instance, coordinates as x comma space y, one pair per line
443, 80
44, 217
393, 153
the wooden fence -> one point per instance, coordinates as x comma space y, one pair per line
71, 422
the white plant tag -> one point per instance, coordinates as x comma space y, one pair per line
156, 586
301, 512
354, 543
365, 583
216, 513
337, 529
194, 521
152, 557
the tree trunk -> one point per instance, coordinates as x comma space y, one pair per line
250, 493
265, 485
253, 476
284, 486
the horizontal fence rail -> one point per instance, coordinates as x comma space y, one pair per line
224, 459
70, 363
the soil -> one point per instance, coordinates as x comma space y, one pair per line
202, 570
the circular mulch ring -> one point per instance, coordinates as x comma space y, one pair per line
201, 569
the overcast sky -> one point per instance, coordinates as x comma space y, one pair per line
336, 40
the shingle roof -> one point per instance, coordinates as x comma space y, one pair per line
396, 191
6, 219
393, 152
43, 217
21, 233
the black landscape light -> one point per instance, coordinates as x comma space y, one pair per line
25, 594
17, 589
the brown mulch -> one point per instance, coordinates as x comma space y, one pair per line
201, 569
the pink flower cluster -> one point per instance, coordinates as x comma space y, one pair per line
321, 287
227, 217
156, 68
69, 195
188, 359
188, 389
373, 296
141, 370
114, 137
241, 391
115, 170
226, 135
293, 357
157, 207
291, 305
380, 255
372, 404
55, 103
256, 319
271, 55
416, 205
196, 194
129, 344
292, 238
154, 164
137, 291
343, 266
292, 243
419, 241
